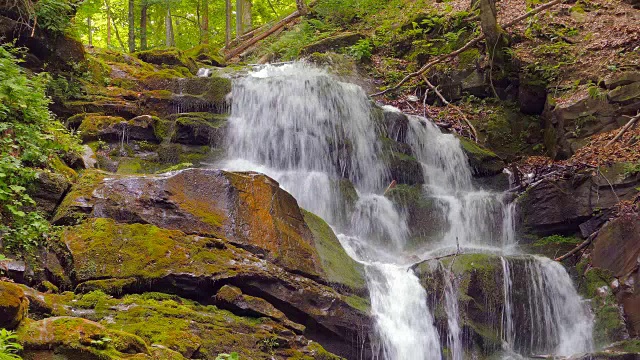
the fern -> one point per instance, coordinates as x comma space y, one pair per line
9, 347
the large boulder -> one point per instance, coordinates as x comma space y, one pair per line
13, 305
195, 267
617, 250
168, 57
77, 338
117, 129
577, 203
247, 209
332, 43
48, 190
199, 129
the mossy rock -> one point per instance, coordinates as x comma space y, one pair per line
78, 338
200, 129
404, 169
340, 270
206, 54
13, 305
76, 205
170, 57
332, 43
483, 161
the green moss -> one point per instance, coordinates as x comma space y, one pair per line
82, 190
338, 267
469, 57
61, 168
359, 303
131, 166
92, 124
557, 240
475, 150
139, 251
108, 286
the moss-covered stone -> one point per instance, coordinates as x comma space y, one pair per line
80, 337
339, 268
76, 205
171, 57
483, 161
200, 129
13, 305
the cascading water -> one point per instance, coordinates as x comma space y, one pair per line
309, 131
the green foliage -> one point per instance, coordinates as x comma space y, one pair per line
53, 15
362, 50
269, 345
557, 240
30, 137
631, 169
595, 92
232, 356
9, 347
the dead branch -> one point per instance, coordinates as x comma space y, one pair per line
624, 129
245, 45
467, 46
447, 103
579, 247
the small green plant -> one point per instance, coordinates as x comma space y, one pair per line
362, 50
557, 240
232, 356
101, 343
631, 169
269, 344
595, 92
9, 347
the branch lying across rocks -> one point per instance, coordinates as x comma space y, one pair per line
467, 46
578, 248
628, 126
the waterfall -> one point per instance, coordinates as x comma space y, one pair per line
310, 132
306, 130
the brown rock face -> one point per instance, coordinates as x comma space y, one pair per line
617, 249
617, 246
580, 202
13, 305
247, 209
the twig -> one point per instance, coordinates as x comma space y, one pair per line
624, 129
474, 133
610, 184
579, 247
467, 46
35, 24
390, 187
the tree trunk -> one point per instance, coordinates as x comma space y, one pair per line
247, 22
108, 29
168, 23
489, 23
238, 19
132, 28
115, 26
205, 21
90, 28
143, 25
227, 38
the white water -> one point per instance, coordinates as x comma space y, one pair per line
307, 130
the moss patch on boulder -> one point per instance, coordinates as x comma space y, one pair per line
13, 305
339, 268
483, 161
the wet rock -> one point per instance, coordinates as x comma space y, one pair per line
405, 169
117, 129
396, 124
200, 129
483, 161
13, 305
48, 191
